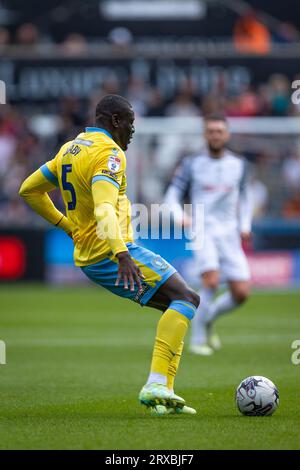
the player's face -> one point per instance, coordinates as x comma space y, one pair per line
216, 135
126, 129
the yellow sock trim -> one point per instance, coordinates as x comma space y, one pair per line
171, 330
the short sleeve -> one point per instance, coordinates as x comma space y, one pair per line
49, 170
109, 165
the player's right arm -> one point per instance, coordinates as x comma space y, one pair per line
176, 191
105, 192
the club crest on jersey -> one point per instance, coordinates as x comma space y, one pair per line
114, 163
159, 263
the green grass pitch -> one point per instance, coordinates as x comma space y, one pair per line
77, 358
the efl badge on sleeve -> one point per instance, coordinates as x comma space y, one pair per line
114, 163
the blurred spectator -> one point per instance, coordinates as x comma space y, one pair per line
15, 213
279, 95
248, 103
232, 106
120, 37
70, 106
74, 44
291, 208
263, 99
244, 105
156, 103
66, 131
291, 171
183, 104
251, 35
212, 104
138, 95
27, 35
4, 37
72, 119
111, 85
286, 33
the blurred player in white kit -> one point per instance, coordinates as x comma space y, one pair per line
219, 180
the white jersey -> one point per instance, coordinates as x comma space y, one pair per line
220, 184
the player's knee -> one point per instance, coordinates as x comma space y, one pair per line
210, 280
192, 297
187, 303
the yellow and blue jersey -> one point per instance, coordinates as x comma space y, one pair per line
92, 156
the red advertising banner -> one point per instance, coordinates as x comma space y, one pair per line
12, 258
271, 269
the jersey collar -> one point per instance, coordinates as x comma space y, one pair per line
98, 129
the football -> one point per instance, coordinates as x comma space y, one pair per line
257, 396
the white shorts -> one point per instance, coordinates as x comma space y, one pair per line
223, 253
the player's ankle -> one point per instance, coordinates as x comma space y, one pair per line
156, 378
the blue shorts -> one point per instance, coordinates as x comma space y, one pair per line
155, 269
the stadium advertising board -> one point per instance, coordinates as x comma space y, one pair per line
21, 255
40, 79
268, 269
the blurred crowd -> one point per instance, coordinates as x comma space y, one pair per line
31, 135
29, 35
269, 99
251, 32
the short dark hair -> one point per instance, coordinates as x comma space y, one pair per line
216, 117
109, 105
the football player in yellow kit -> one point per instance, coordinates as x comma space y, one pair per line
90, 172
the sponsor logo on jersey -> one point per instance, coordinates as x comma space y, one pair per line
114, 163
115, 152
109, 173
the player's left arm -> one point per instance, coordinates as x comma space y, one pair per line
245, 202
34, 190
